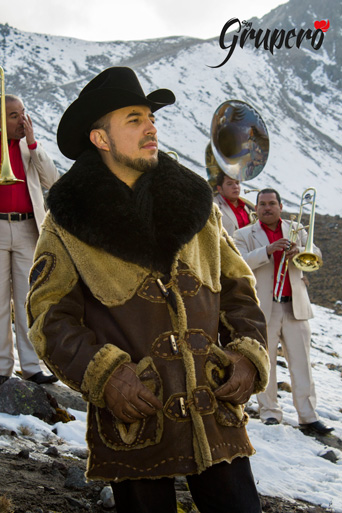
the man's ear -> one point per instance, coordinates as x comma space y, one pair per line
99, 139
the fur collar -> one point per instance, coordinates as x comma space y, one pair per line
147, 225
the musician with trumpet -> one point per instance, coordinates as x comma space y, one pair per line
25, 168
273, 248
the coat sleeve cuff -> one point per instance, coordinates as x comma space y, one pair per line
257, 354
98, 372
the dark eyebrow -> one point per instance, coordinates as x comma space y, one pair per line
139, 114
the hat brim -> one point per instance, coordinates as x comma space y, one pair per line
72, 132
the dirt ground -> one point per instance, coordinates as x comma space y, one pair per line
39, 487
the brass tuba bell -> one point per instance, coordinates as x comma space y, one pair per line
7, 176
239, 144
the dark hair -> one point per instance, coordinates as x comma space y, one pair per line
269, 191
220, 178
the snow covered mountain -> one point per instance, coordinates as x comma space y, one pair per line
297, 91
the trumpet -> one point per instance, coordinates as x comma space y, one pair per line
306, 260
7, 176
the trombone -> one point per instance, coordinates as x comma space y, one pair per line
306, 260
7, 176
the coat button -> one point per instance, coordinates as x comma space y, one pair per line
162, 287
173, 344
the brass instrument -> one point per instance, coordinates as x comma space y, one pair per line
239, 145
173, 154
7, 176
307, 260
284, 263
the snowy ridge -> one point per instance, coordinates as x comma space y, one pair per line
297, 92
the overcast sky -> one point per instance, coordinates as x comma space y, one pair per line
110, 20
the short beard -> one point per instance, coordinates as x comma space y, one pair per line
140, 164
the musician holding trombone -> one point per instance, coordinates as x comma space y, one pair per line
24, 170
270, 247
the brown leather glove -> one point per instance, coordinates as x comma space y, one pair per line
127, 397
240, 384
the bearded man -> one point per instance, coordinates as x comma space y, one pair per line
133, 280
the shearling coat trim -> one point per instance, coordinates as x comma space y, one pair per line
94, 265
63, 254
91, 320
98, 372
147, 225
256, 354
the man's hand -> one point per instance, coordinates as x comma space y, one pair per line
127, 397
240, 385
278, 245
291, 248
294, 250
30, 139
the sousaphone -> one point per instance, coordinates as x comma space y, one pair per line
239, 143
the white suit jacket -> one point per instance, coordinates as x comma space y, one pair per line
229, 220
40, 172
251, 241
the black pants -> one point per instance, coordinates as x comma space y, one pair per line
223, 488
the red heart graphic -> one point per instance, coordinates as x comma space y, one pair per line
323, 25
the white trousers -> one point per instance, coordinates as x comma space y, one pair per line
17, 244
295, 337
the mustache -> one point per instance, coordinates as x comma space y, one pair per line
147, 139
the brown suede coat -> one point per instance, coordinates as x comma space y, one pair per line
96, 301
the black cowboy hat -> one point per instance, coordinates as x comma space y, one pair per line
112, 89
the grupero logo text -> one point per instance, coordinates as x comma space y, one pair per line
269, 39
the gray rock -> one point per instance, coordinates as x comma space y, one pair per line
52, 451
80, 452
330, 456
79, 504
107, 497
24, 397
66, 397
75, 479
24, 454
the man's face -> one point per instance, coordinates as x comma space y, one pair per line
132, 137
15, 114
268, 208
230, 188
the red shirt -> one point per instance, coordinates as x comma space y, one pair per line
15, 197
277, 255
240, 212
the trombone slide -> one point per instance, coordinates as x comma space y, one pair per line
7, 176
